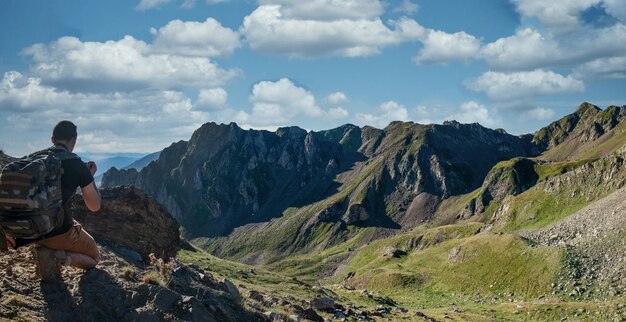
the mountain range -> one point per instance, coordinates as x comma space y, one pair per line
453, 221
338, 205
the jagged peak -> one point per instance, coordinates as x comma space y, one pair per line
585, 107
291, 131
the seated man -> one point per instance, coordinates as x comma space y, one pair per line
68, 244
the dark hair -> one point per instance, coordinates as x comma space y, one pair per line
64, 131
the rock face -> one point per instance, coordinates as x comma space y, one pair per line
130, 218
508, 178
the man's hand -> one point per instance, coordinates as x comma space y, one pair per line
10, 242
92, 167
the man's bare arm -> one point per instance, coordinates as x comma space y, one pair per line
91, 195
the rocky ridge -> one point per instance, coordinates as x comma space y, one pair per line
225, 177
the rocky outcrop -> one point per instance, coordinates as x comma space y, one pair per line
131, 219
508, 178
115, 177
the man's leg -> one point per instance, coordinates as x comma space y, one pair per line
81, 249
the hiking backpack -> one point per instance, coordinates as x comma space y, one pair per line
31, 202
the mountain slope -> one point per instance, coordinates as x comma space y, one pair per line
143, 162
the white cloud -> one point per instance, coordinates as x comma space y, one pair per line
291, 30
561, 15
616, 8
337, 98
188, 4
387, 112
442, 47
211, 99
613, 67
327, 10
276, 104
191, 38
541, 114
150, 4
337, 113
407, 7
124, 65
529, 49
473, 112
526, 48
504, 86
119, 122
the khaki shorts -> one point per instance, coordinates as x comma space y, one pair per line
75, 240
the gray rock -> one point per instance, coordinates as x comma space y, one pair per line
232, 290
166, 299
322, 303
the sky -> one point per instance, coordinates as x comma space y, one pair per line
137, 75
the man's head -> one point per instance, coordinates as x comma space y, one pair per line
65, 132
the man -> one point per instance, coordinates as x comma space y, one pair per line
69, 244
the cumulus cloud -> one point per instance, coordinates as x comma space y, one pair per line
561, 15
337, 98
527, 48
150, 4
327, 10
292, 28
407, 7
541, 114
473, 112
387, 112
191, 38
504, 86
612, 67
442, 47
125, 65
211, 99
337, 113
120, 122
280, 103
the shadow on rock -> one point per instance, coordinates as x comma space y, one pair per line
102, 299
60, 303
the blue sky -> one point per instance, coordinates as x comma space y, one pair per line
138, 75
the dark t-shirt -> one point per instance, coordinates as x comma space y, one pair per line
75, 174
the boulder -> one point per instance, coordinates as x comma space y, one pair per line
130, 218
322, 303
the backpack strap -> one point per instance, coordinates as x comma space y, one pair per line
61, 153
